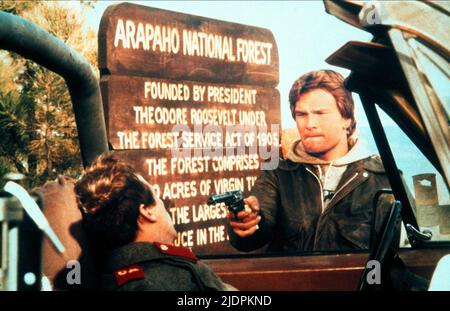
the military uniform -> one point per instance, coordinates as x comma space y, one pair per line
158, 266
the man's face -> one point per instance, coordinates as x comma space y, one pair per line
320, 125
163, 218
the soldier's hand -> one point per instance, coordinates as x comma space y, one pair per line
246, 222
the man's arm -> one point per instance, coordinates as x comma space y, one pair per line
253, 228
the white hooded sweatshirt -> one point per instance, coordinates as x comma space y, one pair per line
330, 172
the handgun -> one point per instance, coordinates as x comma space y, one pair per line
234, 200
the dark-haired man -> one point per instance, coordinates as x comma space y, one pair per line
132, 233
320, 197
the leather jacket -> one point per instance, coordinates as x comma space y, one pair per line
291, 203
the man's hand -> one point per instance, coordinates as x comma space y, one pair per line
246, 222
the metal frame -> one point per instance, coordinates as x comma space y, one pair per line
418, 20
390, 166
428, 105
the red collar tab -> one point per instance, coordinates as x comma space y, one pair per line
173, 250
124, 275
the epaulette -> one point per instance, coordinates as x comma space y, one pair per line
170, 249
126, 274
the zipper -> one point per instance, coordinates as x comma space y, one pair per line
321, 190
343, 186
322, 204
329, 204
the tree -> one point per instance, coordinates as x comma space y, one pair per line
37, 126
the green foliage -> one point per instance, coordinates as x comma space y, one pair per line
37, 126
17, 7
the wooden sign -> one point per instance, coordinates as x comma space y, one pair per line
139, 40
191, 103
185, 184
142, 113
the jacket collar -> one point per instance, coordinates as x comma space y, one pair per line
372, 164
357, 152
133, 253
356, 174
137, 252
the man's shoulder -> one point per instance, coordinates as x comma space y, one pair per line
374, 164
168, 273
151, 275
143, 251
159, 266
288, 165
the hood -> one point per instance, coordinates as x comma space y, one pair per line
358, 152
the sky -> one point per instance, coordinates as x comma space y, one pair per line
305, 34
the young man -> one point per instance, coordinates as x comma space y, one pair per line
131, 233
320, 197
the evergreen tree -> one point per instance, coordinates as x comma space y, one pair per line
37, 125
